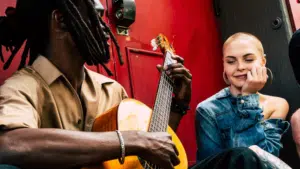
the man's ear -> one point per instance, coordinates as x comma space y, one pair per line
59, 20
10, 11
11, 19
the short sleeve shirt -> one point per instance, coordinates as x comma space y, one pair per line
40, 96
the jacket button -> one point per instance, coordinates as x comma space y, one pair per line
242, 101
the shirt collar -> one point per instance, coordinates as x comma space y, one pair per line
101, 79
49, 72
46, 69
223, 93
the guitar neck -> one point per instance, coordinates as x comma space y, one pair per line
162, 106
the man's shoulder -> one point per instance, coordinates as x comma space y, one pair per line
22, 80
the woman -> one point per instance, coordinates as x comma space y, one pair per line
240, 116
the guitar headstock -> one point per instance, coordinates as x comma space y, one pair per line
162, 42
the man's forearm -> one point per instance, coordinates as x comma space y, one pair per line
54, 148
298, 149
295, 124
270, 159
174, 120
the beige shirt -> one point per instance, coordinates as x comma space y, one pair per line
40, 96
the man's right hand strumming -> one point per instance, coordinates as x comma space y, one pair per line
154, 147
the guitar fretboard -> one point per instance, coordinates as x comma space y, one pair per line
162, 106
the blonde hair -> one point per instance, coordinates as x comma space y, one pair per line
245, 35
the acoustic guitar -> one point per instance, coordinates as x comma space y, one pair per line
132, 114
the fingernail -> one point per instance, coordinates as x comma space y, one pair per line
165, 67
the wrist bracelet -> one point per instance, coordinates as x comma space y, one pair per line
122, 144
179, 108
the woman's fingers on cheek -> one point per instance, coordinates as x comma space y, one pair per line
249, 76
265, 73
254, 72
260, 70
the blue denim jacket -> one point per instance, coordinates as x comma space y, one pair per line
224, 121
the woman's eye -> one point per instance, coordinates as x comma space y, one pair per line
230, 61
249, 60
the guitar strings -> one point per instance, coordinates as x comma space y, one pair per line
166, 85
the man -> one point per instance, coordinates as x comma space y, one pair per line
295, 123
294, 51
45, 107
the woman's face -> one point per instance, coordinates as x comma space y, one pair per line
240, 56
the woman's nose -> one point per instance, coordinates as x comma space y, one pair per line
241, 66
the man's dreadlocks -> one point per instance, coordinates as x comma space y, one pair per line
30, 22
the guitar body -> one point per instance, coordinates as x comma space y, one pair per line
131, 114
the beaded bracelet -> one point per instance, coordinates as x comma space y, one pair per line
122, 144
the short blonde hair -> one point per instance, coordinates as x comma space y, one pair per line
245, 35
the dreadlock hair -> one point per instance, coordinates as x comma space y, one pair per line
30, 22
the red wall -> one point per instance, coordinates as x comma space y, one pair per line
14, 66
294, 7
192, 27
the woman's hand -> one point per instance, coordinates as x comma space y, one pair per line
256, 80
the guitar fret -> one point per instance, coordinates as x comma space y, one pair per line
161, 110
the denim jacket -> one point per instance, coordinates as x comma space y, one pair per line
224, 121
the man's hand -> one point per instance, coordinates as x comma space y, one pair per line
182, 78
256, 80
155, 147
